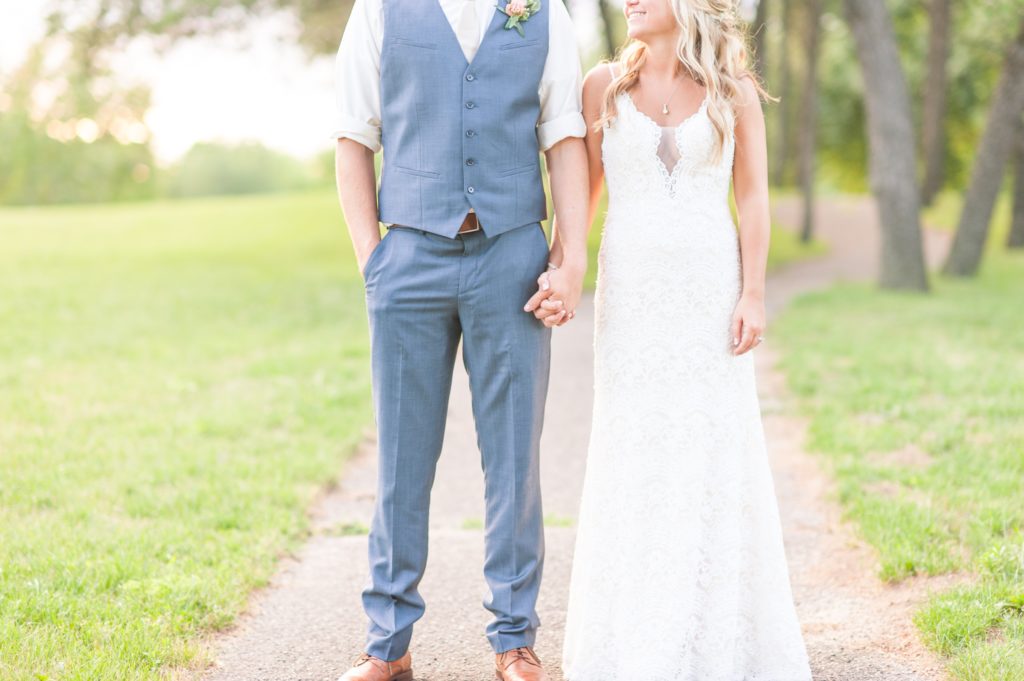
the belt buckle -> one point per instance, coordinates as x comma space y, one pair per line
476, 224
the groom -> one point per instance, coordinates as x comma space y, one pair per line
462, 96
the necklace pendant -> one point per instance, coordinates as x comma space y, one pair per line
664, 109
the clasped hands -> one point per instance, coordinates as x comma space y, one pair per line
558, 294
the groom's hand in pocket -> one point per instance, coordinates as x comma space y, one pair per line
363, 257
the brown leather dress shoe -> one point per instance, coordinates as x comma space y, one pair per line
519, 664
370, 668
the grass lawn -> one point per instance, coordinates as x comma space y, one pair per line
944, 214
917, 402
177, 380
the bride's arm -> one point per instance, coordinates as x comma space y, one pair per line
594, 87
750, 187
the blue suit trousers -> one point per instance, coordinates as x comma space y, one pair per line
425, 292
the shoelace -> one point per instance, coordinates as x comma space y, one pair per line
521, 654
364, 658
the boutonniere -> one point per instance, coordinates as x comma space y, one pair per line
519, 11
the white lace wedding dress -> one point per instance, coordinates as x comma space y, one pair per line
679, 571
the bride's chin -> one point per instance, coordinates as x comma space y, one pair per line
643, 33
636, 33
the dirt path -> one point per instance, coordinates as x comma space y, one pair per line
856, 627
309, 624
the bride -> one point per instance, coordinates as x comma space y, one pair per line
679, 571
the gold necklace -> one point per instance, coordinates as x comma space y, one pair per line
664, 107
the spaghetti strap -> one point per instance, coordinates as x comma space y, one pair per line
611, 69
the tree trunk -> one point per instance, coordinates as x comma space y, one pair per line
933, 139
1016, 238
760, 29
989, 165
779, 165
608, 21
891, 145
809, 117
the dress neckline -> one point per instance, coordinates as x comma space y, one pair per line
700, 109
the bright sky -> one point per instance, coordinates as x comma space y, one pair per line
257, 86
22, 23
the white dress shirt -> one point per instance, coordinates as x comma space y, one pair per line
357, 72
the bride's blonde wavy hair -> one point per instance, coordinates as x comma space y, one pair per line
712, 49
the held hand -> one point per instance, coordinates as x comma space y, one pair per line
545, 306
552, 311
558, 294
748, 323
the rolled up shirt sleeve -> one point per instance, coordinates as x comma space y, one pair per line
561, 84
357, 76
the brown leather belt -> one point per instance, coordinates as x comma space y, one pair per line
470, 224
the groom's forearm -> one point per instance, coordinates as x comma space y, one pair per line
567, 171
357, 193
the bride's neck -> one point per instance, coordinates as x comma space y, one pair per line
662, 61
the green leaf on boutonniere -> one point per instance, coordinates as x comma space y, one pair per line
515, 20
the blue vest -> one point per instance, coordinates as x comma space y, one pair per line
455, 134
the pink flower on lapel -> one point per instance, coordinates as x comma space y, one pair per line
519, 11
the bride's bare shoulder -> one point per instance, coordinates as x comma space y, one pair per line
598, 79
595, 84
749, 93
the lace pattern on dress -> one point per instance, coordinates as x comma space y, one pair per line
679, 571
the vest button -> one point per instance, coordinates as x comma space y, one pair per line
470, 105
470, 77
470, 161
470, 189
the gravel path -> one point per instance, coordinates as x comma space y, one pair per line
308, 624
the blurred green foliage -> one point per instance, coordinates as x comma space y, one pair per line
216, 169
981, 31
36, 169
